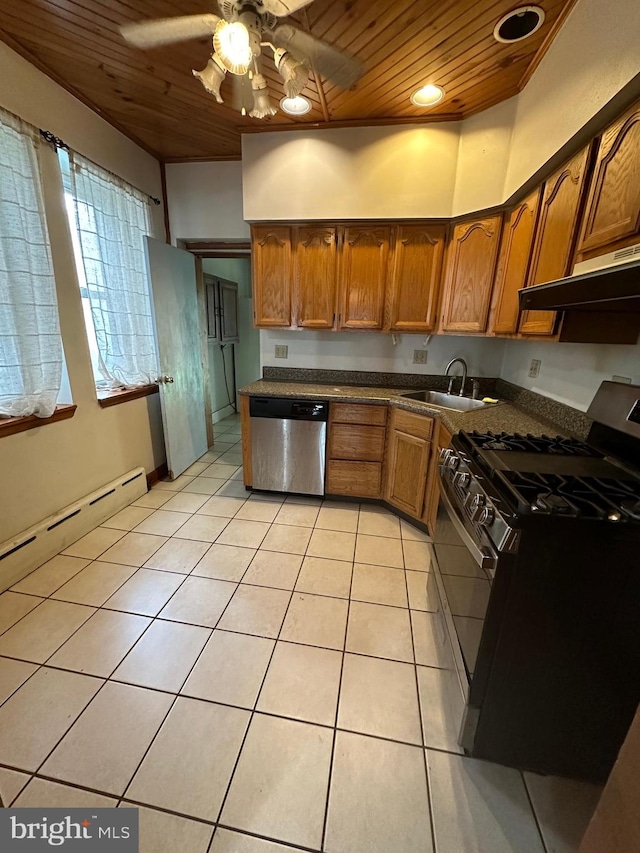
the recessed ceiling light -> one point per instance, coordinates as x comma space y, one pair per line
427, 96
518, 24
296, 106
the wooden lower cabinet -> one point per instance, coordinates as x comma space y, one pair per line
354, 479
356, 441
442, 440
408, 455
355, 450
407, 477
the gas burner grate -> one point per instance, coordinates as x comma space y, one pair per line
578, 497
556, 445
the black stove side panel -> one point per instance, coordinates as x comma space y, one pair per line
565, 677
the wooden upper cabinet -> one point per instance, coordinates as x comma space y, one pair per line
612, 214
513, 264
271, 262
412, 295
555, 236
315, 276
363, 276
469, 272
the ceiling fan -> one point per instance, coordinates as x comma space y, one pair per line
239, 36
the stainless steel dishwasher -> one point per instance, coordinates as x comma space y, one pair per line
288, 441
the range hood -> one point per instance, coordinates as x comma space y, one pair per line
608, 283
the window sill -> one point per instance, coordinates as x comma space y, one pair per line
114, 398
10, 426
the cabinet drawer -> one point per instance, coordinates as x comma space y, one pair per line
353, 441
421, 426
358, 479
356, 413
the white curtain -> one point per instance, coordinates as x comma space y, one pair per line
112, 219
30, 343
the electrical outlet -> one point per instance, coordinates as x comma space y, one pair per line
534, 368
419, 356
281, 351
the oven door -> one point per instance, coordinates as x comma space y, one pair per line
465, 567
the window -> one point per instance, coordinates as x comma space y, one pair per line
109, 220
30, 344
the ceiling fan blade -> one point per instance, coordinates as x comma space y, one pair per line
281, 8
169, 30
341, 69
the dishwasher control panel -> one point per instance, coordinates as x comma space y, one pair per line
288, 409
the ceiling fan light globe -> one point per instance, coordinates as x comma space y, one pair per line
297, 106
294, 72
262, 106
211, 77
233, 46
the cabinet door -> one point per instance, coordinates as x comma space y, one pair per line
513, 265
470, 266
433, 484
407, 472
415, 281
315, 258
613, 206
271, 262
363, 276
555, 237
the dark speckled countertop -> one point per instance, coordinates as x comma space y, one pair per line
502, 417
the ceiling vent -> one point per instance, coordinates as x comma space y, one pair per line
519, 24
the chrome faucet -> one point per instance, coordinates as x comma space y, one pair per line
462, 362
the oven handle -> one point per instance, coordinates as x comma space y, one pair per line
482, 556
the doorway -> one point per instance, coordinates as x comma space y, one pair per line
231, 365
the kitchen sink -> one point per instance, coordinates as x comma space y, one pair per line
447, 401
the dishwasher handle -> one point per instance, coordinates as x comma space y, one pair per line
288, 409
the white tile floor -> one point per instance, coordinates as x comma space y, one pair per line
258, 674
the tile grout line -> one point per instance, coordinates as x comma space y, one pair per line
533, 812
430, 810
253, 711
337, 714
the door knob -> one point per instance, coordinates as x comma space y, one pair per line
164, 380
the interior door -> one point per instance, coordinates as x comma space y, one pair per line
172, 273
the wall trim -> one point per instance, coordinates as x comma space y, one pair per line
157, 474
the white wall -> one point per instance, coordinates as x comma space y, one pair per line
350, 173
570, 373
483, 158
45, 469
205, 201
372, 351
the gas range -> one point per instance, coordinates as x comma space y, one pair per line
536, 565
501, 479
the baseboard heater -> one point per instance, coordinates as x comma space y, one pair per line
33, 547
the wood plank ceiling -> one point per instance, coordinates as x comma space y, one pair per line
153, 97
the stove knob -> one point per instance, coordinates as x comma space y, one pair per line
487, 516
477, 506
461, 479
445, 453
452, 462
